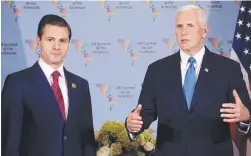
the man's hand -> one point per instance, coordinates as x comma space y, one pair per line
134, 120
234, 112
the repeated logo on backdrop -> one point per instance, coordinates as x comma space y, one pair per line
124, 5
105, 91
217, 45
9, 49
83, 48
91, 49
168, 5
237, 2
32, 44
31, 6
171, 44
138, 48
152, 6
214, 6
129, 48
77, 5
109, 10
60, 6
16, 11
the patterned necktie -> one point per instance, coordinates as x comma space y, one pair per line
58, 94
190, 81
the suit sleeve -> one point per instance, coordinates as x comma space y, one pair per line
89, 145
147, 99
239, 85
12, 116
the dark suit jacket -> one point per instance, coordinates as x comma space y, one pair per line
32, 124
199, 131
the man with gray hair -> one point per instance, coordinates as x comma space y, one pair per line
194, 93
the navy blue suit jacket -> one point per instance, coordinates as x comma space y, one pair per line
32, 124
200, 130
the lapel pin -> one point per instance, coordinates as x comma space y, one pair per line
74, 85
206, 70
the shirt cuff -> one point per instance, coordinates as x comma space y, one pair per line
244, 127
132, 134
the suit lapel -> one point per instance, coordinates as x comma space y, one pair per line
203, 77
177, 80
71, 86
45, 92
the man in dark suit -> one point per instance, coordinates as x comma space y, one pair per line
194, 94
46, 110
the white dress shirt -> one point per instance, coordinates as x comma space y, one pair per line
184, 64
48, 70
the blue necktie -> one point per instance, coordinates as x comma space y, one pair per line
190, 81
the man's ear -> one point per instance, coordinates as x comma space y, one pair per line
206, 29
38, 41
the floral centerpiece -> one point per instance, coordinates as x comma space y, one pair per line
112, 140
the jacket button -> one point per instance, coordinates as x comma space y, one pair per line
185, 145
65, 137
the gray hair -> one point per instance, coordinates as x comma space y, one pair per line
202, 14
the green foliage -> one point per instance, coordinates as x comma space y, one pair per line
113, 135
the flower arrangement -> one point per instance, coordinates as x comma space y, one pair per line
112, 140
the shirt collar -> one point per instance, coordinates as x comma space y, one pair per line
198, 56
48, 70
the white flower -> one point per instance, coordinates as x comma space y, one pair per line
103, 151
149, 146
